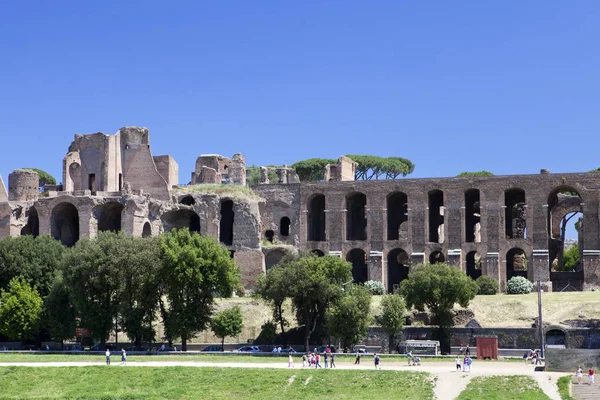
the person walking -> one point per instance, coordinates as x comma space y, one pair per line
326, 357
332, 365
290, 361
303, 360
123, 357
458, 364
318, 361
579, 375
357, 361
376, 360
107, 356
467, 351
591, 375
469, 362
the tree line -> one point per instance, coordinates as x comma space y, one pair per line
114, 282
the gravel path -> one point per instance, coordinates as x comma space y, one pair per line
449, 384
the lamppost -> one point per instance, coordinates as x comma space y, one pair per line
540, 325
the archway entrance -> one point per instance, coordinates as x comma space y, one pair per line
397, 214
473, 265
472, 216
273, 258
358, 259
316, 218
109, 217
226, 223
33, 223
436, 216
516, 263
178, 219
147, 230
397, 269
356, 217
436, 257
64, 221
515, 216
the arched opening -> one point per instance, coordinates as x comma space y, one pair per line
33, 223
64, 224
318, 252
178, 219
397, 214
356, 217
472, 216
75, 175
436, 257
436, 216
147, 230
516, 263
187, 200
556, 337
284, 226
397, 269
358, 259
473, 265
316, 218
269, 235
515, 214
226, 224
109, 217
273, 258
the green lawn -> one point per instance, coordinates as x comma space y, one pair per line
118, 382
503, 388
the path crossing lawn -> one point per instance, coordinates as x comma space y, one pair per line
503, 388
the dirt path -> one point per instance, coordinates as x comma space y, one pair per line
449, 384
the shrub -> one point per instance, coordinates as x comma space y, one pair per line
518, 285
375, 287
487, 285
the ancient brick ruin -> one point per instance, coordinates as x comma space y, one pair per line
500, 226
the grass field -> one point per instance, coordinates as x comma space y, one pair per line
209, 383
503, 388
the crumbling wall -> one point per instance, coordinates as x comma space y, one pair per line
168, 169
23, 185
3, 192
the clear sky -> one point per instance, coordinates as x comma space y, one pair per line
506, 86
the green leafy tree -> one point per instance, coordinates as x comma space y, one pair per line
475, 173
34, 259
194, 269
595, 170
273, 288
486, 285
438, 287
253, 174
349, 316
227, 323
312, 169
392, 316
20, 310
571, 258
93, 270
139, 300
314, 284
59, 311
44, 178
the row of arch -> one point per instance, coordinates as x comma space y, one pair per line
397, 214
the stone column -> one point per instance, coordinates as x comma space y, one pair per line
375, 266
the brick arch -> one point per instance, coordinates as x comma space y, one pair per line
356, 216
64, 222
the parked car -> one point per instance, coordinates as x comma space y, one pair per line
323, 349
214, 347
289, 350
249, 349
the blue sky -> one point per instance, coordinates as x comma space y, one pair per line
509, 87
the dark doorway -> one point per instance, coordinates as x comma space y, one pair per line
147, 230
515, 214
472, 216
178, 219
397, 269
187, 200
33, 223
436, 216
92, 183
516, 263
473, 265
109, 217
397, 214
120, 182
273, 258
436, 257
356, 218
226, 224
64, 223
316, 218
318, 252
556, 337
358, 259
269, 235
284, 226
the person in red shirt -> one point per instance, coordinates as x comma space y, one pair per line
591, 375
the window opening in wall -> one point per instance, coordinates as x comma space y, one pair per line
33, 223
316, 218
187, 200
436, 216
120, 182
356, 218
515, 214
556, 337
147, 230
232, 253
284, 226
473, 265
92, 183
397, 269
109, 217
64, 224
472, 216
437, 257
358, 259
269, 235
178, 219
397, 215
516, 263
318, 252
226, 224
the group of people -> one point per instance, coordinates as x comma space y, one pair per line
533, 356
463, 364
314, 360
463, 349
123, 357
591, 372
